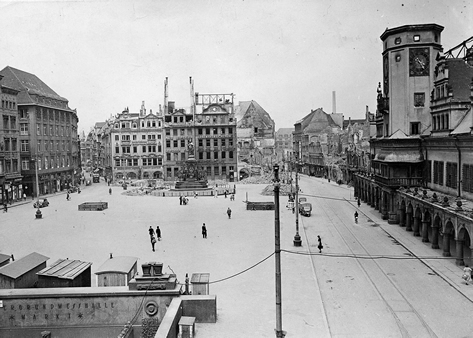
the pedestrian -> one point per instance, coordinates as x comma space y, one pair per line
153, 242
78, 190
320, 246
232, 197
225, 194
195, 194
359, 202
467, 274
204, 231
180, 200
151, 231
68, 198
229, 213
356, 216
5, 207
24, 197
158, 233
110, 191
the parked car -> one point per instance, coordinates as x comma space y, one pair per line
305, 209
302, 200
43, 202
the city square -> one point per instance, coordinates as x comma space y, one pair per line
322, 294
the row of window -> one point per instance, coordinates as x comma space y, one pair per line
440, 121
9, 122
134, 125
449, 172
52, 130
127, 137
10, 144
52, 115
134, 162
48, 163
11, 166
134, 149
7, 104
52, 146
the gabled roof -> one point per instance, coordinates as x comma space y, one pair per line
244, 109
121, 264
27, 84
283, 131
317, 121
17, 268
398, 134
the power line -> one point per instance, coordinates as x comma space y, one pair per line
356, 256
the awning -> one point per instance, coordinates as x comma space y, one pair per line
400, 156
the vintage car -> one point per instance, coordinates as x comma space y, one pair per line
42, 202
305, 209
302, 200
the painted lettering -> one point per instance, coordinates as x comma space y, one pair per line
27, 306
73, 305
69, 315
20, 307
34, 317
44, 306
59, 306
57, 316
86, 305
52, 306
67, 305
13, 307
36, 306
111, 304
23, 317
46, 316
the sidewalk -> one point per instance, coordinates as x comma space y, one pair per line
445, 268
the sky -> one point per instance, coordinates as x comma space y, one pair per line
287, 55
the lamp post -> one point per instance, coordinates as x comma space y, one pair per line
38, 211
277, 245
297, 237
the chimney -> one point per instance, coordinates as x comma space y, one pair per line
334, 103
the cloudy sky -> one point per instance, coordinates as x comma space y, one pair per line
287, 55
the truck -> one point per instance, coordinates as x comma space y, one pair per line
95, 178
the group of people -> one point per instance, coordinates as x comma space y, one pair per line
183, 200
152, 235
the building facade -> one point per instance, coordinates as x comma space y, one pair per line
422, 163
136, 141
47, 134
11, 188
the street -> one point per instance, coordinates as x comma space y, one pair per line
342, 292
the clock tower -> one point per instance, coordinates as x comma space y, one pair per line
409, 59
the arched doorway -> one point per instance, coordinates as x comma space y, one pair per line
409, 217
132, 175
157, 174
463, 247
244, 173
448, 241
417, 222
118, 176
145, 175
436, 229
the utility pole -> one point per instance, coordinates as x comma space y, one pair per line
297, 237
279, 332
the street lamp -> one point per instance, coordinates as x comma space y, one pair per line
297, 237
38, 211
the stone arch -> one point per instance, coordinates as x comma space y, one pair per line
157, 174
145, 175
436, 231
409, 216
463, 243
131, 175
244, 173
447, 235
118, 176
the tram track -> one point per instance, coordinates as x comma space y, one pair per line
337, 222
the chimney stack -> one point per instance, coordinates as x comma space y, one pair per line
334, 103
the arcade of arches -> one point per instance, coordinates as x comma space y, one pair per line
443, 222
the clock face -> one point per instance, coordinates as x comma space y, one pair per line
419, 64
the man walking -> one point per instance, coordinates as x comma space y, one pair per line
320, 246
229, 212
68, 198
153, 242
204, 231
158, 233
151, 232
